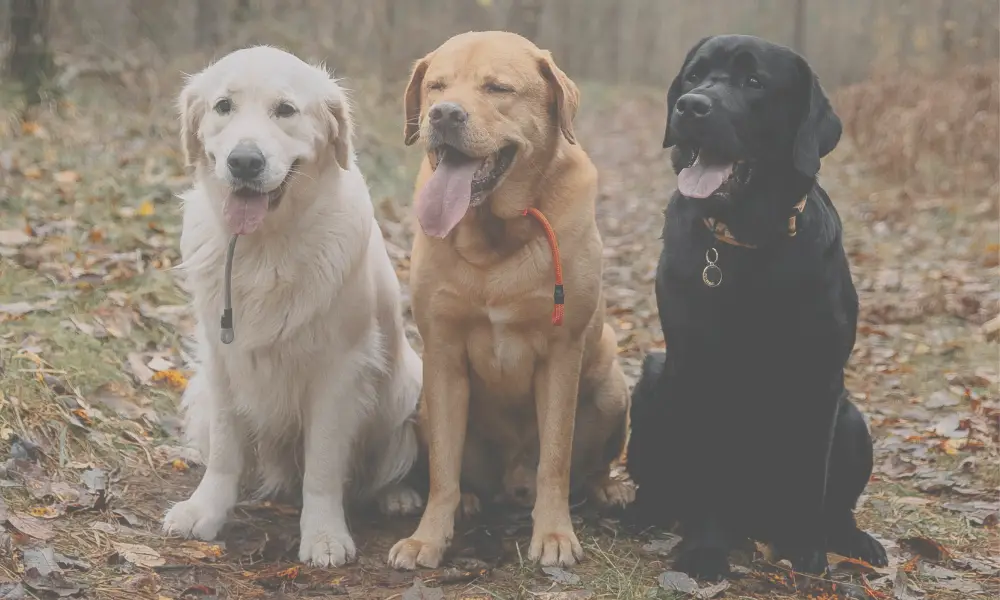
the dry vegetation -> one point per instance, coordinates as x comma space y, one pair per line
92, 364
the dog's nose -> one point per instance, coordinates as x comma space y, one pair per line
448, 114
694, 105
246, 162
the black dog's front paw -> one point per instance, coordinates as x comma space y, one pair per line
860, 545
707, 563
809, 561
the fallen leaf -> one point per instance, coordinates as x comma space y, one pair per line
139, 555
41, 559
139, 369
941, 399
31, 526
17, 308
96, 480
561, 575
11, 590
662, 547
925, 547
146, 209
418, 591
45, 512
675, 581
846, 564
13, 237
174, 378
54, 582
573, 595
158, 363
66, 177
709, 592
114, 397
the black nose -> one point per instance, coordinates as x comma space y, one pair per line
448, 114
694, 105
246, 162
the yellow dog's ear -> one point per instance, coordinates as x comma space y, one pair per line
411, 100
192, 109
341, 129
567, 96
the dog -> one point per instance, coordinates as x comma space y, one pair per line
495, 117
319, 387
743, 428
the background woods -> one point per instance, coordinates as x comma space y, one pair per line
93, 316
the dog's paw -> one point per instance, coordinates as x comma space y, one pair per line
411, 553
194, 519
811, 561
400, 501
556, 547
707, 563
861, 546
326, 548
469, 506
613, 493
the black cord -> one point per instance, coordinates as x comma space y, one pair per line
228, 335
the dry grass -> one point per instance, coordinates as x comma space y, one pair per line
937, 135
89, 304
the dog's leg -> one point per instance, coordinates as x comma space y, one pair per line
335, 414
205, 512
704, 553
557, 383
446, 392
851, 464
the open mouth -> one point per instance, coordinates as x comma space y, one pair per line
706, 175
246, 206
459, 182
488, 173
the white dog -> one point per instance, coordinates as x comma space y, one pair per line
320, 384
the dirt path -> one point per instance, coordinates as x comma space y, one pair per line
90, 369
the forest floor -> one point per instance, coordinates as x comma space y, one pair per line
92, 365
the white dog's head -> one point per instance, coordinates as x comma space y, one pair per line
253, 120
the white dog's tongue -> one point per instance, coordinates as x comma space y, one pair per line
244, 214
446, 196
701, 180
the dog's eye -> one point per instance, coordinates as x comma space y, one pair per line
754, 82
435, 85
284, 109
497, 88
224, 106
693, 76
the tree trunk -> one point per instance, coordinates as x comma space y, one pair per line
242, 11
208, 23
30, 61
801, 12
524, 18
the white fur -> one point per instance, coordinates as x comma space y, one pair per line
320, 384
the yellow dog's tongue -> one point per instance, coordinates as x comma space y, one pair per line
244, 214
446, 196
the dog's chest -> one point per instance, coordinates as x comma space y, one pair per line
503, 347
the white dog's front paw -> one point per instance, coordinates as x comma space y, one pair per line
194, 519
399, 501
326, 548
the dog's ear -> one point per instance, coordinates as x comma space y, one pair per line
566, 93
192, 108
674, 93
341, 129
820, 128
411, 100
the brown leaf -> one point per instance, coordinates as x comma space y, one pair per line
420, 592
13, 237
53, 582
573, 595
925, 547
31, 526
41, 559
139, 555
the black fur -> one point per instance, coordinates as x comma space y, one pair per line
744, 429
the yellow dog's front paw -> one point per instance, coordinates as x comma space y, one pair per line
411, 553
557, 547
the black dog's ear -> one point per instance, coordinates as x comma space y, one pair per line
674, 93
820, 128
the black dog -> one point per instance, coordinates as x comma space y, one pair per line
744, 428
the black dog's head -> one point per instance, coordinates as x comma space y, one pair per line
743, 109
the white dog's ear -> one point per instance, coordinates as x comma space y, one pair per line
341, 130
191, 108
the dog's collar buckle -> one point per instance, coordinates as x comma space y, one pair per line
722, 233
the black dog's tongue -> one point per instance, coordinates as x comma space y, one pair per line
701, 180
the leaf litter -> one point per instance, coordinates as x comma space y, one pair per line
92, 359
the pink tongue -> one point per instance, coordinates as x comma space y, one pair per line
244, 214
445, 197
700, 180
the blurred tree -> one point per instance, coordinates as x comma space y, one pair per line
242, 11
208, 23
30, 60
524, 18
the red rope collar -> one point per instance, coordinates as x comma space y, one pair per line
560, 295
